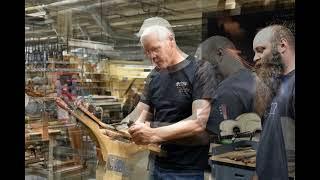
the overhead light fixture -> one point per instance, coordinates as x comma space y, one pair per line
230, 4
90, 44
76, 50
26, 28
266, 2
37, 14
133, 66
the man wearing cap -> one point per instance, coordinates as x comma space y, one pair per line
177, 102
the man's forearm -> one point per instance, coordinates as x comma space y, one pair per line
185, 128
139, 114
191, 126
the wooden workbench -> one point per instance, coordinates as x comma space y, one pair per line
228, 164
224, 160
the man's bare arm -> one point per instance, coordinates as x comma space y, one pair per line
139, 114
191, 126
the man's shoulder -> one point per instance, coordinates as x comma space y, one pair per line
288, 82
246, 73
243, 76
292, 76
153, 74
202, 66
195, 66
240, 84
200, 62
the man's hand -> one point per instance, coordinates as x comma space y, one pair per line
139, 114
142, 133
122, 125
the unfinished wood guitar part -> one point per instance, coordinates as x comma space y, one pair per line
116, 152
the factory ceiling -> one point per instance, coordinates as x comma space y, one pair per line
115, 22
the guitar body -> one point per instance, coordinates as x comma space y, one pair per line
116, 155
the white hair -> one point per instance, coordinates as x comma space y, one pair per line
161, 32
152, 22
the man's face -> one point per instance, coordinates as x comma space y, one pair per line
262, 48
267, 59
159, 52
269, 67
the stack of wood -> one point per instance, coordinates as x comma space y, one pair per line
245, 156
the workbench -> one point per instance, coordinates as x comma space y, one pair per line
225, 163
50, 140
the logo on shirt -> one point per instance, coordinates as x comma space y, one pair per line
183, 87
273, 108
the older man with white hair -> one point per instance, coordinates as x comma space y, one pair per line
177, 102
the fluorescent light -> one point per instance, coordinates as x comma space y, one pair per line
37, 14
137, 66
230, 4
90, 44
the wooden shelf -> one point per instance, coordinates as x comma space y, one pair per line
52, 70
92, 81
93, 87
51, 62
95, 73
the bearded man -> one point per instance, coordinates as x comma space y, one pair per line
274, 48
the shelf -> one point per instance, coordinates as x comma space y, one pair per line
92, 82
96, 73
93, 87
126, 77
51, 62
52, 70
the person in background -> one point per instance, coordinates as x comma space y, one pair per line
236, 89
58, 87
74, 85
63, 115
74, 132
274, 48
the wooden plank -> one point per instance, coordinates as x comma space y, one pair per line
33, 160
45, 132
69, 169
229, 157
63, 164
39, 133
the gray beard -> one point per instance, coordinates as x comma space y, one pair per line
267, 82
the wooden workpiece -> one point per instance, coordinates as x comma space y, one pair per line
116, 147
243, 158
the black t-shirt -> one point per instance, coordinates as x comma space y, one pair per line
277, 142
170, 94
234, 96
